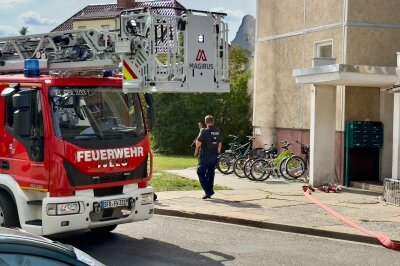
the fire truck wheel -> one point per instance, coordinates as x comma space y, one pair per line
8, 211
104, 229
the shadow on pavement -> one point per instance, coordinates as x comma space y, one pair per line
235, 203
217, 255
118, 249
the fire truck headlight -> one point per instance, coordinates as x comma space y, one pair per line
147, 198
53, 209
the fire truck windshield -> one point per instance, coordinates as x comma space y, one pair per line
85, 113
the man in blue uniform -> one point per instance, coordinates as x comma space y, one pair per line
210, 142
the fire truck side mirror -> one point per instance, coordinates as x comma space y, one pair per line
22, 114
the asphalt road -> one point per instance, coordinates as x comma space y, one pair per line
176, 241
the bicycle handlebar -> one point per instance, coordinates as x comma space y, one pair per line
286, 144
301, 144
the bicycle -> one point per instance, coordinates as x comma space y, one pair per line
261, 169
238, 165
226, 159
242, 165
295, 166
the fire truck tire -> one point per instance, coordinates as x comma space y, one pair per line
104, 229
8, 211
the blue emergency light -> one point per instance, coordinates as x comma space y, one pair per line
31, 68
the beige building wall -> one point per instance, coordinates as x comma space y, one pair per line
279, 17
362, 104
316, 18
362, 33
95, 24
374, 11
372, 46
373, 38
286, 35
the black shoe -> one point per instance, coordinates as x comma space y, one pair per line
206, 197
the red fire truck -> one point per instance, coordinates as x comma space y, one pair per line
74, 147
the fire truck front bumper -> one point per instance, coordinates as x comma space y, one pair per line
85, 211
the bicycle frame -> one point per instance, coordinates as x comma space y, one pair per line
282, 156
274, 163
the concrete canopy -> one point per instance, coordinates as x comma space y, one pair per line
325, 78
347, 75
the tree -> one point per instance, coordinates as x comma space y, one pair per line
23, 31
177, 115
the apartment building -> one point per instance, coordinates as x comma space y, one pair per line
106, 16
347, 32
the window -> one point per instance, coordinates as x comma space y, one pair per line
33, 139
36, 113
9, 111
27, 259
96, 115
323, 49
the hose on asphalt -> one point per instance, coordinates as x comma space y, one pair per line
384, 240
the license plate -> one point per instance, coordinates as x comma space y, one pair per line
106, 204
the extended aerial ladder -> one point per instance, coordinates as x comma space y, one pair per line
184, 52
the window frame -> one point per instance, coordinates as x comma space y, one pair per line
319, 44
37, 117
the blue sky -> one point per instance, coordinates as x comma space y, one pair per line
44, 15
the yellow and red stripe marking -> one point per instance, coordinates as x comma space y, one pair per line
128, 72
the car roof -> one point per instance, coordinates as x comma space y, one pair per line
18, 237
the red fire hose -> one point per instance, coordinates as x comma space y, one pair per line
386, 242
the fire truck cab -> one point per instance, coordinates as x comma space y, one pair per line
74, 147
74, 154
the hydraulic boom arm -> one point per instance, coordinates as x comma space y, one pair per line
183, 52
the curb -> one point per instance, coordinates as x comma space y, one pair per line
270, 226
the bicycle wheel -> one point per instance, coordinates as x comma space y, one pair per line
282, 169
224, 163
295, 166
247, 168
260, 170
238, 167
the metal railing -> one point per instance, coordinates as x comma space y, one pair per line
391, 191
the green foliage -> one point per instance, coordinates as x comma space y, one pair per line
177, 115
23, 30
168, 182
237, 60
162, 162
163, 181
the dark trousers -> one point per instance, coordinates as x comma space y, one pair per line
206, 173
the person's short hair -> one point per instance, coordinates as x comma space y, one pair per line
209, 120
